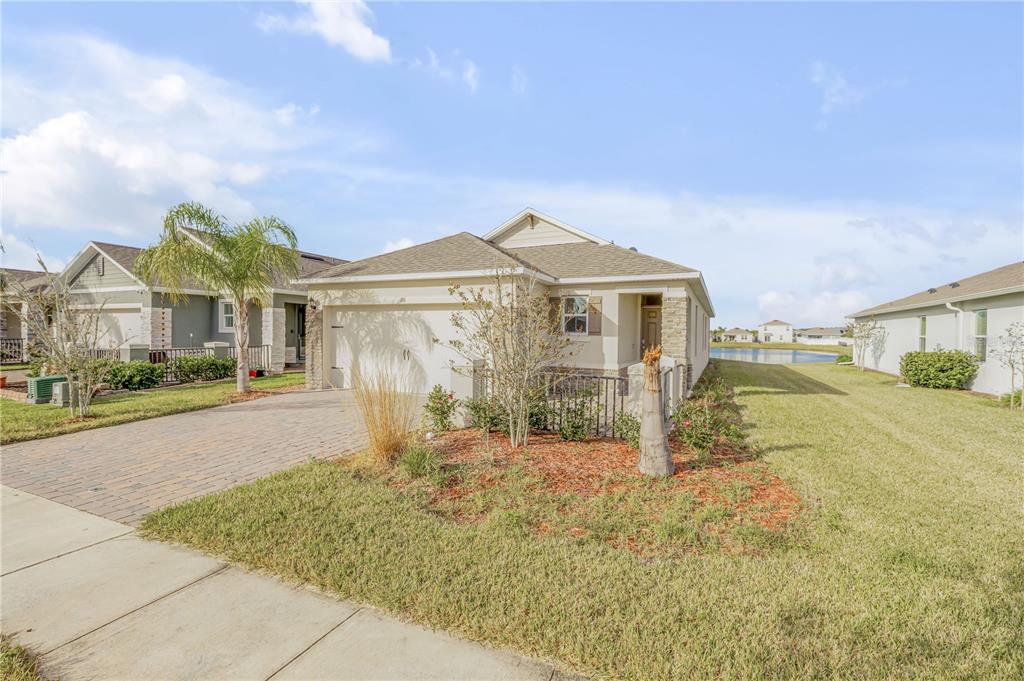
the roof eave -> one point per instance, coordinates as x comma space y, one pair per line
872, 311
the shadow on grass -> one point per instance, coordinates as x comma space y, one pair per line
773, 379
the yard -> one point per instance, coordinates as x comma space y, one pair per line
22, 421
899, 552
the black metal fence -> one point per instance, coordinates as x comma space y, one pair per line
601, 398
259, 357
12, 350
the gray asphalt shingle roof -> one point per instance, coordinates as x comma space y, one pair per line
1006, 277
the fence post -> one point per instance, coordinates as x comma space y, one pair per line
128, 353
220, 349
467, 383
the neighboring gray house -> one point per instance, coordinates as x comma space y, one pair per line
102, 274
14, 335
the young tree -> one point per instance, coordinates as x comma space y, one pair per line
867, 335
240, 261
1010, 353
510, 325
68, 336
655, 456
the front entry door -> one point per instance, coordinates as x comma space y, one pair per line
650, 329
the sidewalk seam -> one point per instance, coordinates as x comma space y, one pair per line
310, 646
219, 570
68, 553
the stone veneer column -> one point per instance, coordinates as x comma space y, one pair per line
314, 345
675, 318
273, 335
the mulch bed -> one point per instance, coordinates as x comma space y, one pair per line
598, 466
258, 394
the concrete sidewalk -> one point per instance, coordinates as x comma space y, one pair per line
97, 602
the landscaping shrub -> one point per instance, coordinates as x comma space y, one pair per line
841, 359
949, 369
481, 413
202, 368
440, 407
388, 412
35, 366
627, 427
576, 422
710, 417
420, 461
135, 375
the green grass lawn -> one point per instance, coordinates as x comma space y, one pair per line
12, 367
16, 663
911, 563
22, 421
838, 349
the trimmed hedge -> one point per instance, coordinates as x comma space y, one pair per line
201, 368
135, 375
947, 369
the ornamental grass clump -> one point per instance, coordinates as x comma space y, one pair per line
389, 413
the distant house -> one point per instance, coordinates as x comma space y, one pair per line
102, 274
970, 314
822, 335
775, 331
738, 336
14, 335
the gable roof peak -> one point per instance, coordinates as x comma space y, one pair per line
533, 214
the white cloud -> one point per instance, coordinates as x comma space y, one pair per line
105, 139
404, 242
520, 83
471, 75
827, 308
19, 255
339, 23
836, 91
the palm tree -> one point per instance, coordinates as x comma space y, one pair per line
239, 261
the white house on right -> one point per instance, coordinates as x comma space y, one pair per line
970, 314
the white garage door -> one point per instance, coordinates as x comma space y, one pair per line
408, 341
120, 328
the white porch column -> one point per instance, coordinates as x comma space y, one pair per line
273, 335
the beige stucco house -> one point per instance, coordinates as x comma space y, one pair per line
395, 309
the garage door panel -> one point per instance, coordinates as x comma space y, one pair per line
409, 343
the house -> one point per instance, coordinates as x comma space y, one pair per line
14, 334
775, 331
970, 314
394, 310
133, 314
738, 335
822, 335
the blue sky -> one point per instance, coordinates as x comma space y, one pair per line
810, 159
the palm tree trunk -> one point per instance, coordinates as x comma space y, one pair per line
655, 456
242, 342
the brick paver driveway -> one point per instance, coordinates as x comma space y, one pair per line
124, 472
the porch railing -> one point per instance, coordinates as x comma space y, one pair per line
259, 357
12, 350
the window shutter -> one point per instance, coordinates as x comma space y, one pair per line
594, 316
555, 310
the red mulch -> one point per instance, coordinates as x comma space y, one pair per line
601, 465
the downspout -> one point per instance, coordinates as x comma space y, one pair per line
959, 325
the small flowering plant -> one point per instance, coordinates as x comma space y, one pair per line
440, 407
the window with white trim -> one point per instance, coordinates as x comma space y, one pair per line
227, 316
981, 334
922, 334
574, 315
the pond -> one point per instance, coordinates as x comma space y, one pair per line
773, 356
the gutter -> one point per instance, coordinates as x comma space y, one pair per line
959, 312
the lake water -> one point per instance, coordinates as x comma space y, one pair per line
772, 355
